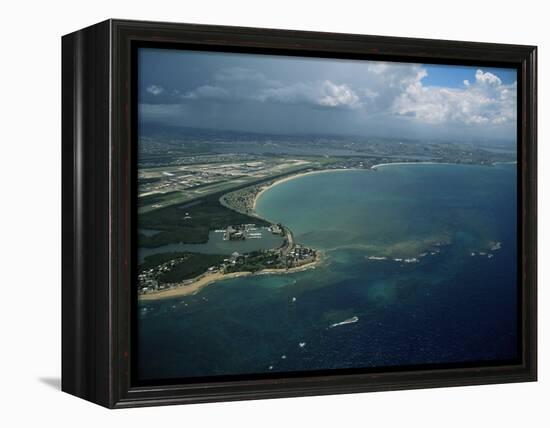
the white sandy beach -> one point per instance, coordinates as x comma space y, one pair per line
292, 177
410, 163
194, 286
188, 288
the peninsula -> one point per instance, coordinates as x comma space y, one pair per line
156, 281
184, 198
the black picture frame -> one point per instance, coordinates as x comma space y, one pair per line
98, 201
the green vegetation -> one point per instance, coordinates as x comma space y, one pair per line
155, 260
187, 266
204, 215
255, 261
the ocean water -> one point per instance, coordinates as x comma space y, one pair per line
442, 286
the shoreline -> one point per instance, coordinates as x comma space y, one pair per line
294, 176
505, 162
195, 285
374, 167
191, 287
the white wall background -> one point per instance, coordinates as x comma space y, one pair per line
30, 312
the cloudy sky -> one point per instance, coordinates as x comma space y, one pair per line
291, 95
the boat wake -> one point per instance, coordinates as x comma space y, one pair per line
351, 320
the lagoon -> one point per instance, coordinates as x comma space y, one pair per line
259, 238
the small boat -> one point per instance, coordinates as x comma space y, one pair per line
302, 344
348, 321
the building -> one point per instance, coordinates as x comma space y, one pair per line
276, 229
233, 233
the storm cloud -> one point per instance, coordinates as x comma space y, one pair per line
262, 93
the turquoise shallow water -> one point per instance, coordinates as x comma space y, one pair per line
454, 302
395, 209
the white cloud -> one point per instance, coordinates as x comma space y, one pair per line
382, 82
233, 83
338, 95
374, 89
207, 92
238, 83
320, 94
487, 78
155, 89
485, 101
393, 90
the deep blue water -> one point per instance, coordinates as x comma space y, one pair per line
449, 307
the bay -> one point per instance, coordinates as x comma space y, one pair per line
423, 256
